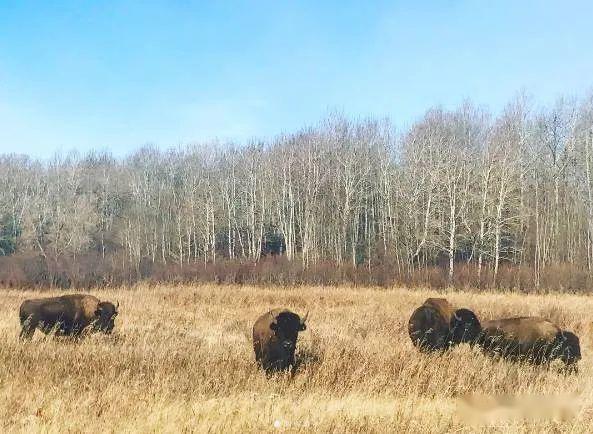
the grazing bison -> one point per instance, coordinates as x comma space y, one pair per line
532, 339
68, 315
429, 325
274, 339
465, 327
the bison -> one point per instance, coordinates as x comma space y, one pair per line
429, 325
68, 315
275, 335
532, 339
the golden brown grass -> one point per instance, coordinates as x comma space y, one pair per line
181, 360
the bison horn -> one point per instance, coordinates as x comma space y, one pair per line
305, 318
457, 317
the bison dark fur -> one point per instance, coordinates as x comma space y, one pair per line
428, 326
275, 335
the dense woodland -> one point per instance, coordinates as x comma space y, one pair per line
460, 197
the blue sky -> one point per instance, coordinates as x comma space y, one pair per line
120, 74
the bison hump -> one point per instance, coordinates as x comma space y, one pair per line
442, 306
88, 306
523, 329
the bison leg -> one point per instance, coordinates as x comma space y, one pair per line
258, 355
273, 364
570, 368
28, 326
75, 332
27, 333
70, 329
293, 365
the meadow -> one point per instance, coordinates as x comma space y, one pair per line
181, 360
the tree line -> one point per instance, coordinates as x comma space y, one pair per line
460, 192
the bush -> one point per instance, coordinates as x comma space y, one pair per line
92, 270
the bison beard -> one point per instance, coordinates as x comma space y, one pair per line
68, 315
274, 339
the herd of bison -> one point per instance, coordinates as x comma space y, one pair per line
434, 326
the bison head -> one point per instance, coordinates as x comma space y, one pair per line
464, 326
105, 316
286, 327
567, 347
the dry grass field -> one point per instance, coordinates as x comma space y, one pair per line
181, 360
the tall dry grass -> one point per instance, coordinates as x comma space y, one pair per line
181, 360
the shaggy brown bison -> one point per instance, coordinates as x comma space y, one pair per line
532, 339
275, 335
429, 325
68, 315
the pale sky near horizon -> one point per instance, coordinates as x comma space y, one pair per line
117, 75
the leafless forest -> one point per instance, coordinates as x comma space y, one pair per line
461, 197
